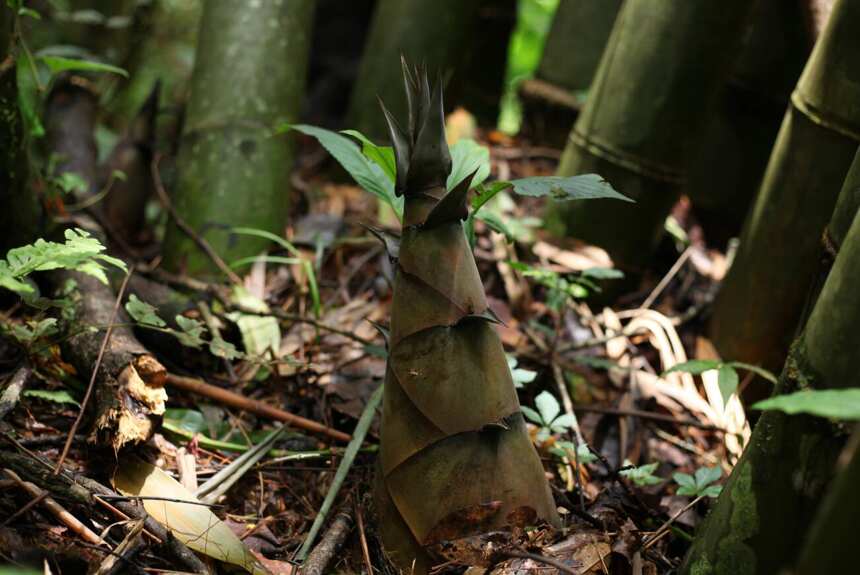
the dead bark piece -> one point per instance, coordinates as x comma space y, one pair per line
129, 387
319, 559
12, 391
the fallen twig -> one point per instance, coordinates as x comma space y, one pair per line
12, 391
232, 399
318, 561
58, 510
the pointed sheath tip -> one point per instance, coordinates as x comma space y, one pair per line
453, 207
402, 148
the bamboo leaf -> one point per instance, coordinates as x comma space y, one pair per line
584, 187
382, 156
57, 64
694, 366
832, 403
366, 173
192, 523
467, 157
727, 379
759, 371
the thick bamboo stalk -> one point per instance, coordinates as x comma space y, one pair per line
741, 134
759, 521
829, 548
249, 77
450, 409
656, 84
434, 32
480, 79
762, 297
574, 45
21, 215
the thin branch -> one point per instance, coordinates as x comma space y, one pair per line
91, 384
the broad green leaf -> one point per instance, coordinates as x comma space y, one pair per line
192, 523
519, 375
260, 334
366, 173
224, 349
495, 223
712, 491
727, 379
187, 419
382, 156
58, 396
57, 64
832, 403
531, 415
694, 366
143, 312
563, 422
28, 96
707, 475
759, 371
685, 480
468, 156
191, 332
548, 407
487, 192
584, 187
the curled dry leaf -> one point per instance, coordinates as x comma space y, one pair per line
192, 523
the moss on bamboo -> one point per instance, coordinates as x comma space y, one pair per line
21, 215
450, 409
657, 81
249, 77
789, 462
762, 297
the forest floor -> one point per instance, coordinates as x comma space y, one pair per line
613, 470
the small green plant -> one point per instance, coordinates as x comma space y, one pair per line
80, 252
547, 416
191, 332
564, 287
701, 484
727, 375
520, 376
567, 451
642, 475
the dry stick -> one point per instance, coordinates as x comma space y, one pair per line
58, 510
658, 289
663, 529
183, 225
92, 383
365, 551
27, 506
12, 391
331, 542
200, 387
